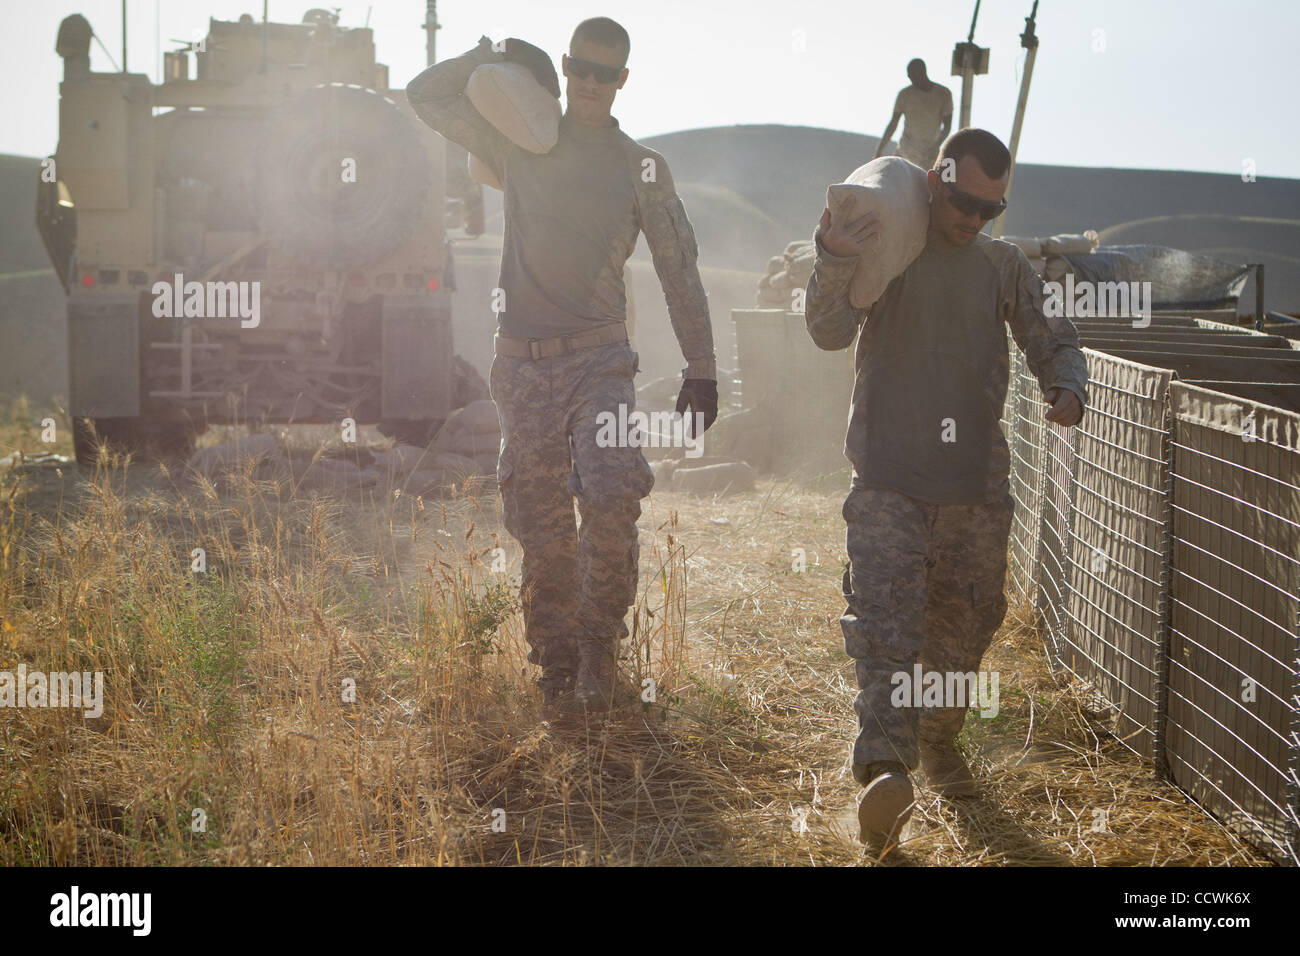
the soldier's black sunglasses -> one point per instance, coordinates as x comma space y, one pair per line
969, 205
586, 68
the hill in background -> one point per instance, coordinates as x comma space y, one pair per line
749, 190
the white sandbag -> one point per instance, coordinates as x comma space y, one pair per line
480, 416
896, 191
799, 249
401, 460
482, 174
211, 461
1064, 245
1054, 268
1031, 247
516, 104
800, 271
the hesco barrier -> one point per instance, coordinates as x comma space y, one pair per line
1158, 541
801, 390
1235, 588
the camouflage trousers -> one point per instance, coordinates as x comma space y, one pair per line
925, 585
578, 582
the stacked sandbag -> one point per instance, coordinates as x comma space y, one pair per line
260, 454
1046, 255
785, 273
419, 471
474, 434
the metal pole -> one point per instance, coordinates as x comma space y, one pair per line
265, 18
968, 71
123, 36
1030, 42
1259, 296
431, 32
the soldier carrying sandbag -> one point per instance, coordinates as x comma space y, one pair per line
572, 216
929, 509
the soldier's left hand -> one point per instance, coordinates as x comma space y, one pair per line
537, 60
699, 395
1065, 409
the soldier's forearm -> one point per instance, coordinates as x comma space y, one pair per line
831, 320
1069, 369
437, 96
688, 311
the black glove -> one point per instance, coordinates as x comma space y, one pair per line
699, 395
537, 61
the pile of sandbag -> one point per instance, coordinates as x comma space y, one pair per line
785, 273
472, 433
1045, 255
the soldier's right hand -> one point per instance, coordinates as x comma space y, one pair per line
537, 61
846, 237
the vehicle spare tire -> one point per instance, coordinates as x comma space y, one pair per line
316, 213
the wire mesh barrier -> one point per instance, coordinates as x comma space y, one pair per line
1161, 552
1025, 441
1112, 545
1232, 717
1056, 495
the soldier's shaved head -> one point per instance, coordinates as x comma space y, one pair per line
603, 32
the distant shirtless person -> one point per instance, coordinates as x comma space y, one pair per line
927, 107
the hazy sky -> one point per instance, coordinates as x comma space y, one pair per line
1155, 84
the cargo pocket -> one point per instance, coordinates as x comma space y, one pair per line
988, 591
988, 606
870, 617
505, 471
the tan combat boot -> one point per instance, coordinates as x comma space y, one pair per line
597, 667
946, 771
885, 805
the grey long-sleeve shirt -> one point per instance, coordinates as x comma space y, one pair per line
931, 365
572, 217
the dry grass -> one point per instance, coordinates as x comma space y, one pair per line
226, 693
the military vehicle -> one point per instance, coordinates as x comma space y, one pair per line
265, 242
